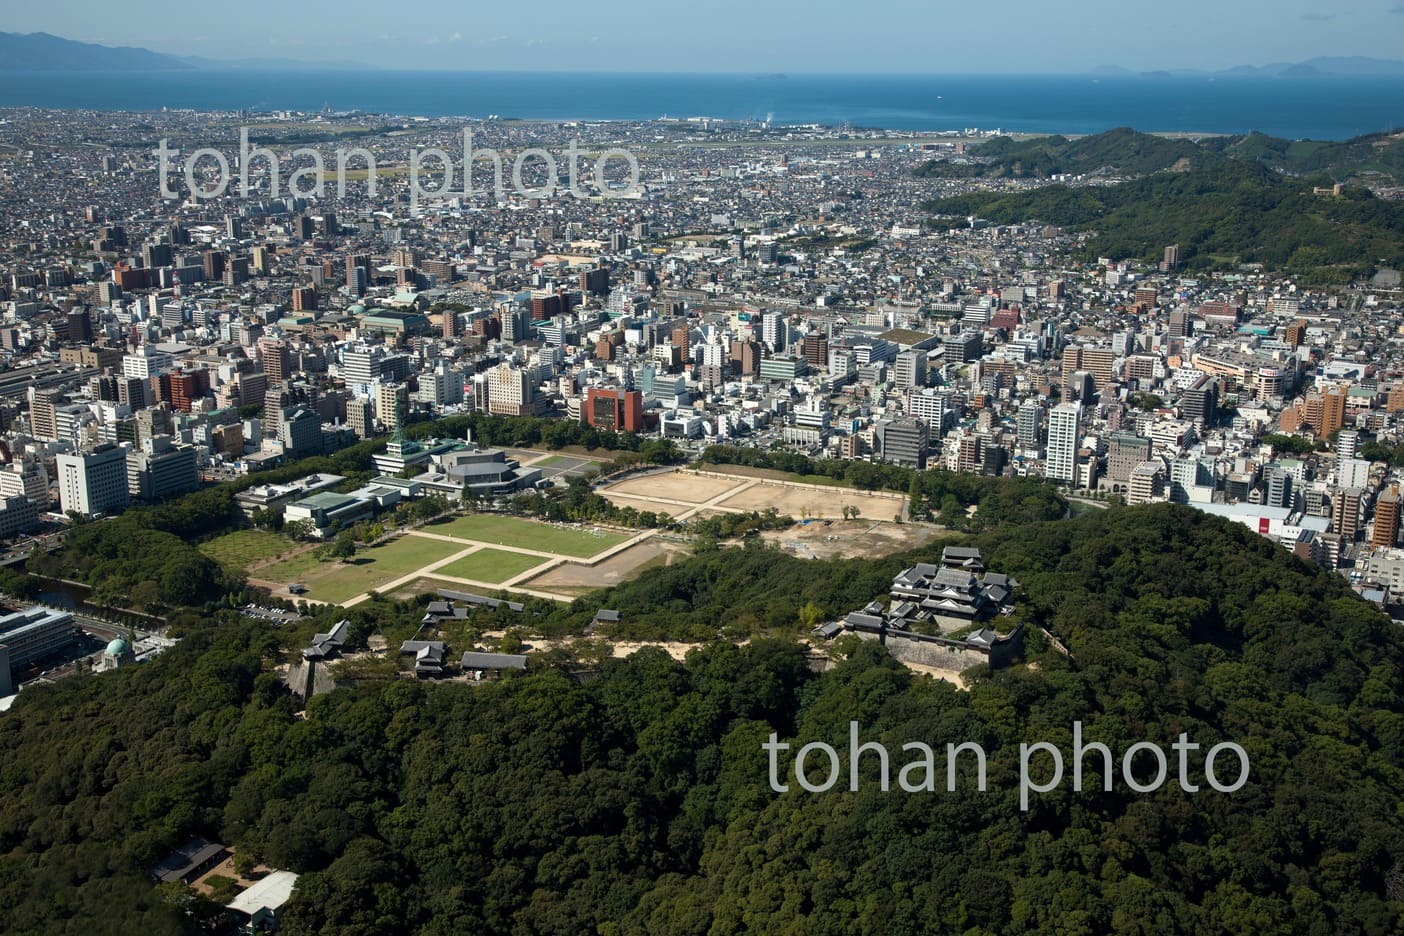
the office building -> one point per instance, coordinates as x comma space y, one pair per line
146, 362
18, 514
161, 469
30, 635
80, 327
909, 370
1200, 403
511, 392
613, 409
94, 483
903, 442
25, 478
1124, 454
964, 348
300, 431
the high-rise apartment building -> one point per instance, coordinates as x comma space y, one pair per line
1345, 513
277, 361
1385, 531
43, 413
1028, 426
1064, 439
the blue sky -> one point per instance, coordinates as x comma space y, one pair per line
741, 35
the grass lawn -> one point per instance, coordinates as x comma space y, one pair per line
529, 534
242, 548
370, 569
491, 565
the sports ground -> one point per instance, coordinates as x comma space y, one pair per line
478, 550
496, 552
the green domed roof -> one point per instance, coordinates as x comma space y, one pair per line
117, 647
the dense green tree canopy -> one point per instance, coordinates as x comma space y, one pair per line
1233, 212
1123, 151
637, 801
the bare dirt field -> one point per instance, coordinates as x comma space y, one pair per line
842, 539
430, 586
678, 486
793, 501
738, 493
574, 578
638, 503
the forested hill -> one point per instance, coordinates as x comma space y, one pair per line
638, 801
1119, 151
1232, 213
1373, 158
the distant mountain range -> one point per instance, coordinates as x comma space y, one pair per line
1354, 66
44, 52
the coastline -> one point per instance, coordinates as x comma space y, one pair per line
1328, 108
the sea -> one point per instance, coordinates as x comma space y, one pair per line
1318, 107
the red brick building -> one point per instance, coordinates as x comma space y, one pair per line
614, 409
